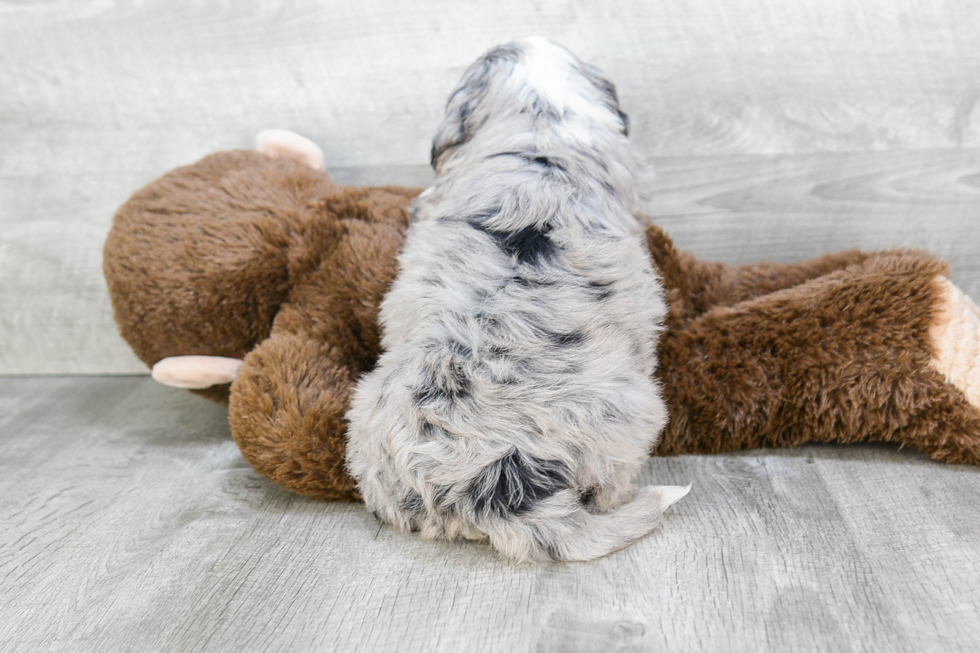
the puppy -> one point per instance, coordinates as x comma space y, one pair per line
515, 400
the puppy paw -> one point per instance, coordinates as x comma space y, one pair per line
196, 372
955, 338
284, 143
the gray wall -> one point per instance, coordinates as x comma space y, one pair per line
780, 129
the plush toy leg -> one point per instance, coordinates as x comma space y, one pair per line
851, 356
287, 413
283, 143
288, 405
196, 372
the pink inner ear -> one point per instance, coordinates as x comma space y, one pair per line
284, 143
196, 372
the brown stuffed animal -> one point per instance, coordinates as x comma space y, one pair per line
254, 267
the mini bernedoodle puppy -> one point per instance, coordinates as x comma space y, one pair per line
515, 399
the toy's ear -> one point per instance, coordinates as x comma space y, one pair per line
290, 145
287, 405
196, 372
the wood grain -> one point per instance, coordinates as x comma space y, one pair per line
787, 208
781, 129
130, 522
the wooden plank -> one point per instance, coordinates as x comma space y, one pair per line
705, 78
131, 522
788, 208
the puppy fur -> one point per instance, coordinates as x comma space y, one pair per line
515, 400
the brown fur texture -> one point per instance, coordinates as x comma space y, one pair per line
835, 349
244, 256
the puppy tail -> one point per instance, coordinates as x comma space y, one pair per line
559, 528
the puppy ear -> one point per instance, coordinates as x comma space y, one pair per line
456, 128
608, 92
461, 115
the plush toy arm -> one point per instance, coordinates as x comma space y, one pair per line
287, 412
288, 405
851, 356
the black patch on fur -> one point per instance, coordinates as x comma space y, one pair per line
498, 351
412, 503
439, 495
525, 282
566, 339
440, 502
626, 122
549, 164
430, 430
530, 245
450, 383
455, 378
487, 322
542, 109
459, 349
515, 483
602, 289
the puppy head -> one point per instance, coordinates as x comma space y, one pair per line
534, 78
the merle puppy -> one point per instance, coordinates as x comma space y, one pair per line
515, 399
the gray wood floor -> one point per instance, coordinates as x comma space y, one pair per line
131, 522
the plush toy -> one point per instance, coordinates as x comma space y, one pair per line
252, 278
